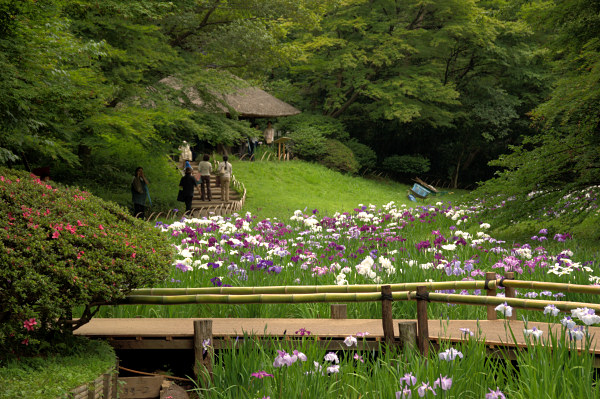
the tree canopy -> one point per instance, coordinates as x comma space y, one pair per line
454, 83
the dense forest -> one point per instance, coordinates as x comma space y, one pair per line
457, 91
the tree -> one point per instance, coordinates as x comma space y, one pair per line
48, 82
564, 156
406, 74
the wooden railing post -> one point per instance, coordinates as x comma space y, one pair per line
422, 321
203, 351
407, 333
509, 292
339, 311
491, 309
386, 314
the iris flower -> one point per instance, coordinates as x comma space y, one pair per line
495, 394
505, 309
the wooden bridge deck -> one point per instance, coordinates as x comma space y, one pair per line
153, 333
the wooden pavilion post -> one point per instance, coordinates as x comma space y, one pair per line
491, 309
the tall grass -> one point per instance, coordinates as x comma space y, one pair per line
538, 372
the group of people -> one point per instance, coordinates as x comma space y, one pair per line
187, 185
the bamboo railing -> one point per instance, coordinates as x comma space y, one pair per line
361, 293
418, 292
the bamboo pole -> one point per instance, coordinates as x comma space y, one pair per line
541, 285
532, 304
258, 298
439, 285
306, 289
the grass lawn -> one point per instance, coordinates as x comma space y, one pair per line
277, 189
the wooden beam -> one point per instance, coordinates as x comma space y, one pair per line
339, 311
422, 322
491, 309
203, 350
386, 314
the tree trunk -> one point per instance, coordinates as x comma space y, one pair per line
457, 170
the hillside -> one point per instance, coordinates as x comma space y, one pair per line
277, 189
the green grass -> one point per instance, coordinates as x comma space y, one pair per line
565, 373
277, 189
54, 375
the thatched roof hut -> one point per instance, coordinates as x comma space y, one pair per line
247, 101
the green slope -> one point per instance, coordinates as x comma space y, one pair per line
277, 189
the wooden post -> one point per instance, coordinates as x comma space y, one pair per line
422, 321
115, 382
106, 385
491, 309
386, 314
203, 350
339, 311
509, 292
407, 331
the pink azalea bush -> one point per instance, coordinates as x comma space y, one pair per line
62, 248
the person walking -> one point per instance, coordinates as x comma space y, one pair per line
205, 169
187, 184
139, 192
224, 170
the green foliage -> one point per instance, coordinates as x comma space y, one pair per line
563, 158
406, 165
339, 157
307, 143
62, 247
49, 83
460, 74
72, 363
364, 155
245, 36
329, 127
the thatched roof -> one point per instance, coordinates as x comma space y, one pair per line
246, 101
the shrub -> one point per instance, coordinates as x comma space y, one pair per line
406, 164
61, 248
339, 157
307, 144
364, 155
328, 127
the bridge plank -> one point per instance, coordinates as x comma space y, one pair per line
496, 332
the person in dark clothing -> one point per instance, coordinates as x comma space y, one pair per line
187, 184
139, 192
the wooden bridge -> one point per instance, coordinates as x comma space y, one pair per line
178, 333
501, 337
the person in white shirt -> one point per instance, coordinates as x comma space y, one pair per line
224, 170
205, 169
